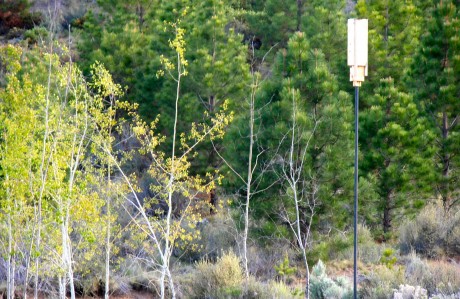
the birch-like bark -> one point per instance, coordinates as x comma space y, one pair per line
252, 163
168, 247
43, 175
69, 254
26, 274
292, 173
107, 243
62, 288
9, 263
109, 197
249, 179
44, 165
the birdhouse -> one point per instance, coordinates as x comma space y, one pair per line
357, 50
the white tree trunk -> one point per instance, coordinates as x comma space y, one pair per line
26, 276
62, 288
69, 256
66, 258
293, 174
248, 186
107, 252
165, 271
10, 262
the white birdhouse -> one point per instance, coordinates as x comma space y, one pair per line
357, 50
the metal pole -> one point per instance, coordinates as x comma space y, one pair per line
355, 219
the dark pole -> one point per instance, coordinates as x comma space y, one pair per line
355, 219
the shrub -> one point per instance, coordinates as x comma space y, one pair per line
218, 235
272, 289
370, 252
322, 287
280, 290
256, 289
16, 14
432, 234
435, 276
422, 234
381, 282
263, 258
15, 33
340, 247
443, 296
36, 34
452, 234
135, 274
445, 278
224, 278
284, 270
417, 271
410, 292
388, 258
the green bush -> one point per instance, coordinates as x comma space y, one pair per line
219, 280
323, 287
224, 279
35, 35
272, 289
284, 270
15, 33
280, 290
388, 258
340, 247
370, 252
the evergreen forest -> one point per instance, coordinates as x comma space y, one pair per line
205, 149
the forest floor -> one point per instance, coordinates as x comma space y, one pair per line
132, 295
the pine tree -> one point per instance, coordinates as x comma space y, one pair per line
394, 30
305, 139
268, 23
324, 116
219, 75
113, 37
132, 54
435, 80
397, 153
324, 23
